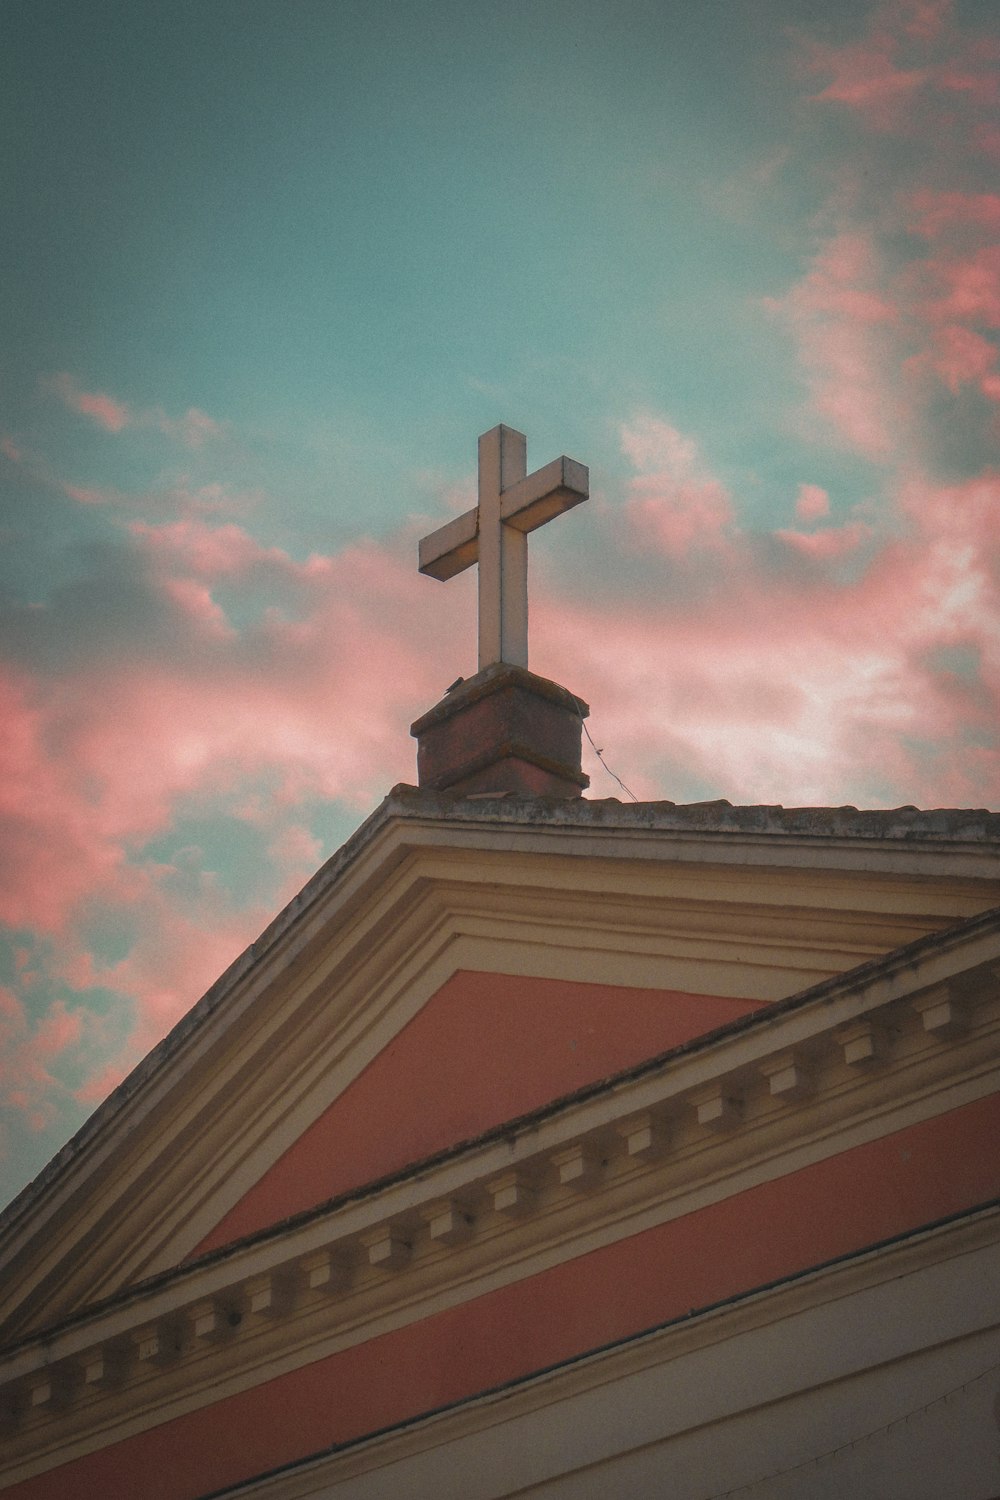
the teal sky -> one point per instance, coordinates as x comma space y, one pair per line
359, 231
269, 269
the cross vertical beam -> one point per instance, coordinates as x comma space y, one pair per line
495, 535
503, 552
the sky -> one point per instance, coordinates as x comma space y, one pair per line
269, 268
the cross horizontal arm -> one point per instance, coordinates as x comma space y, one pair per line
550, 490
452, 548
526, 505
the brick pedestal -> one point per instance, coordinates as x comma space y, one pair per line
504, 730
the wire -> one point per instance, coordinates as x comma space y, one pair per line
600, 757
742, 1489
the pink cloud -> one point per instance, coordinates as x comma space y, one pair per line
194, 600
912, 59
108, 413
28, 1052
59, 1029
194, 429
215, 552
870, 75
197, 427
829, 543
976, 76
844, 281
184, 946
812, 502
935, 213
921, 19
969, 287
177, 955
866, 79
87, 495
53, 850
961, 357
872, 316
97, 762
673, 503
843, 324
953, 293
794, 687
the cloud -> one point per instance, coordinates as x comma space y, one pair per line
108, 413
89, 494
250, 711
54, 849
831, 542
854, 655
957, 285
812, 502
969, 287
905, 280
195, 546
960, 356
866, 78
193, 429
32, 1050
886, 74
674, 504
843, 322
806, 684
933, 213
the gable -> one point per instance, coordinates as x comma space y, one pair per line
649, 900
485, 1048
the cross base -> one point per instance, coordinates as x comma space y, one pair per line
503, 731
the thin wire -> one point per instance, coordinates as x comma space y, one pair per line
862, 1437
600, 757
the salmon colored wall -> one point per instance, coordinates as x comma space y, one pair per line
869, 1193
485, 1048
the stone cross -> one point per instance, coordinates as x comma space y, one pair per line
512, 502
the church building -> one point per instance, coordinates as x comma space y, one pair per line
544, 1146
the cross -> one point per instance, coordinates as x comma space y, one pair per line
512, 502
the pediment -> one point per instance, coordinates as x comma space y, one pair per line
484, 1049
438, 976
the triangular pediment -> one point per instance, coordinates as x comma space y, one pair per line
456, 965
485, 1049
